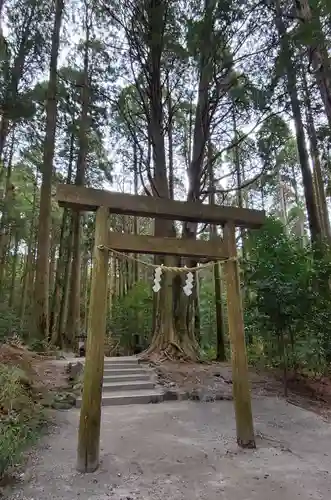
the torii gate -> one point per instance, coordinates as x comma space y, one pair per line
105, 202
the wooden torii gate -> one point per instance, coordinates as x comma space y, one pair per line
105, 202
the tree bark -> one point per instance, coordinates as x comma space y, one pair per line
13, 269
309, 15
220, 323
170, 142
317, 171
6, 209
63, 313
74, 319
135, 219
59, 278
291, 81
43, 246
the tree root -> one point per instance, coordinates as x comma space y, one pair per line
172, 352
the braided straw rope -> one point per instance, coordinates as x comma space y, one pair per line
172, 269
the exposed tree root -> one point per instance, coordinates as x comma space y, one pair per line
171, 352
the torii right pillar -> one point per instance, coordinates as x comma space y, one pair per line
241, 387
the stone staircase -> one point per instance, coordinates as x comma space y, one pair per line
127, 382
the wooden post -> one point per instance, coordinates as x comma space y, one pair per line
241, 389
90, 415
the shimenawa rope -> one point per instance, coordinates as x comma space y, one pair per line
173, 269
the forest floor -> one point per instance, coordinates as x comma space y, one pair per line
186, 450
42, 370
214, 381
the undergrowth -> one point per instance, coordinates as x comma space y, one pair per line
21, 418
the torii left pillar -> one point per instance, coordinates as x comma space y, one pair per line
90, 415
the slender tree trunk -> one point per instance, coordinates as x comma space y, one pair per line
43, 247
309, 15
135, 219
314, 225
218, 285
237, 164
32, 270
314, 153
63, 313
88, 290
6, 208
13, 270
74, 319
27, 270
56, 297
85, 278
282, 204
118, 279
112, 286
52, 264
170, 142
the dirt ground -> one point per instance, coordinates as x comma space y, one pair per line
44, 372
186, 451
313, 393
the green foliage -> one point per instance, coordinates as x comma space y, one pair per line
288, 311
20, 417
131, 315
9, 324
207, 317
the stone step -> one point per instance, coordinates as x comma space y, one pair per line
128, 398
127, 386
121, 361
135, 377
118, 366
108, 372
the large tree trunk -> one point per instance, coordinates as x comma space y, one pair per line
291, 81
165, 337
201, 132
43, 246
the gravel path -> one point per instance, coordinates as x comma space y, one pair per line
186, 451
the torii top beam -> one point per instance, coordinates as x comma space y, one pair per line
89, 199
